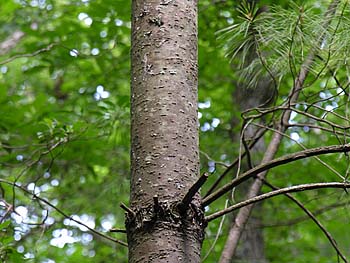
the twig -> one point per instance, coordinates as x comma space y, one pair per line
9, 209
313, 126
302, 146
45, 49
313, 218
117, 230
211, 159
290, 108
216, 236
300, 219
127, 209
259, 134
156, 205
316, 157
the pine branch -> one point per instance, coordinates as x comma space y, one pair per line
243, 215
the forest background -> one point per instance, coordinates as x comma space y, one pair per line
65, 121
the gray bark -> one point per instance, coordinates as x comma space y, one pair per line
164, 146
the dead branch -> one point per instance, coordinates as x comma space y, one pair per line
192, 191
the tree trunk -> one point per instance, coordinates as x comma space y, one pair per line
164, 132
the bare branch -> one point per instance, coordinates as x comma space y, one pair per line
273, 163
262, 112
292, 189
62, 213
313, 126
302, 146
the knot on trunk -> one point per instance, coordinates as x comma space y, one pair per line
169, 215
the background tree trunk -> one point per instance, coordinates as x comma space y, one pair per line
251, 248
164, 147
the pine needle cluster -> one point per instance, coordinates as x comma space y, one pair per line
274, 42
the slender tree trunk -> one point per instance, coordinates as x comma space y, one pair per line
164, 146
251, 247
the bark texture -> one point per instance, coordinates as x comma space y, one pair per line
164, 146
